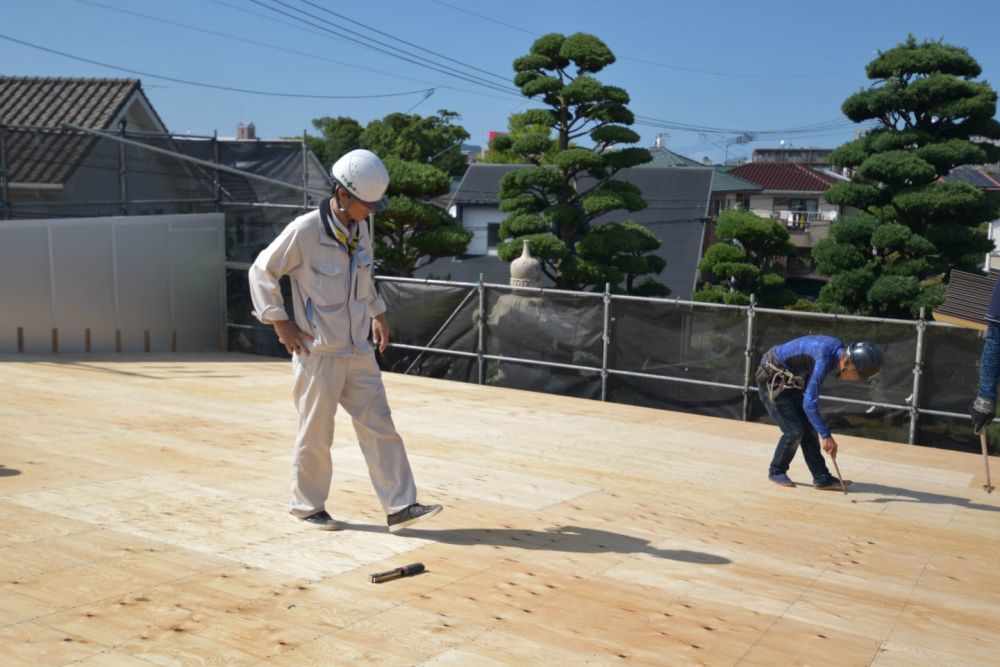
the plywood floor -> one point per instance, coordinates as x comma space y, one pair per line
143, 522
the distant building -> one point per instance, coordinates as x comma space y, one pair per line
987, 178
49, 170
811, 157
677, 202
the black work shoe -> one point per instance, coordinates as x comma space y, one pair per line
832, 484
410, 515
320, 520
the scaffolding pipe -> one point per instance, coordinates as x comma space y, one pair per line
122, 172
194, 160
748, 360
4, 179
480, 325
918, 370
116, 202
305, 173
216, 182
605, 340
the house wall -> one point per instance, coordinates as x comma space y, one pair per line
801, 235
993, 258
476, 219
161, 274
762, 204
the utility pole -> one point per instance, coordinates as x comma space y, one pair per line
744, 138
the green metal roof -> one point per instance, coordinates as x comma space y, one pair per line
721, 182
663, 157
726, 182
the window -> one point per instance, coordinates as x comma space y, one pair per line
492, 234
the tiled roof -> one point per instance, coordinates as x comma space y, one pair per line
723, 181
664, 157
481, 183
975, 175
50, 102
36, 154
676, 198
468, 269
784, 176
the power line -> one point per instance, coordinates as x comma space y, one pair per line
693, 70
487, 18
822, 126
242, 39
399, 39
207, 85
265, 45
736, 75
388, 50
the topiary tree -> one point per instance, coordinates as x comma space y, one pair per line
743, 262
528, 141
554, 203
411, 231
878, 268
931, 116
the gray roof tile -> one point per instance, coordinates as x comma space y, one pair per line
38, 151
676, 198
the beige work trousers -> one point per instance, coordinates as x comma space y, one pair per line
354, 381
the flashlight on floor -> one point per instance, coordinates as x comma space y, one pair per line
399, 572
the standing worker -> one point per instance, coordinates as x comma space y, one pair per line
984, 407
327, 253
789, 380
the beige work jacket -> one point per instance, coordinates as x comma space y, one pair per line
333, 292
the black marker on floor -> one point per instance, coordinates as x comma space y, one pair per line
389, 575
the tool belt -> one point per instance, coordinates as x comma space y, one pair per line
776, 378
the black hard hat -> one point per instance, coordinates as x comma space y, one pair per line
867, 358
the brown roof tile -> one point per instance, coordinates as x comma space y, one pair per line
784, 176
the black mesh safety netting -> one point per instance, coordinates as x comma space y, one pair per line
674, 355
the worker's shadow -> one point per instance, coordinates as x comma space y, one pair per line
572, 539
895, 494
8, 472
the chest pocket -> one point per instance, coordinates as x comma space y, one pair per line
363, 267
330, 283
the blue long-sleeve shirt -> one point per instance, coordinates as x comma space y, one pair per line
993, 308
811, 358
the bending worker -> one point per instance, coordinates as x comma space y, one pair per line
789, 380
327, 254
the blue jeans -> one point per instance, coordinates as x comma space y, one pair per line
787, 413
989, 364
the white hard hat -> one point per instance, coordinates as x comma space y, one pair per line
361, 173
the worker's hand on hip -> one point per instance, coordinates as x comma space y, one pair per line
380, 332
830, 446
295, 340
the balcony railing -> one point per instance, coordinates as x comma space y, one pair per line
801, 221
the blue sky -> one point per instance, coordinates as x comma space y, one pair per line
780, 69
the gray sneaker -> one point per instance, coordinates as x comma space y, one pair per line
320, 520
410, 515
